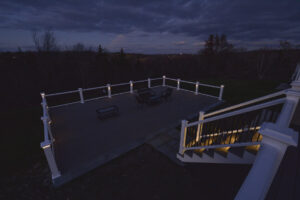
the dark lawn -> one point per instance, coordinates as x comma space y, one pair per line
142, 173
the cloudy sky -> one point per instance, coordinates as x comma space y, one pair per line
150, 26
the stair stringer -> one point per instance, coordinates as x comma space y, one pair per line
247, 158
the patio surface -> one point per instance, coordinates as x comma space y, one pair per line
83, 142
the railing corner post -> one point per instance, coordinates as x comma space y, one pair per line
131, 86
81, 95
182, 137
108, 91
178, 84
149, 83
164, 81
197, 88
46, 146
221, 92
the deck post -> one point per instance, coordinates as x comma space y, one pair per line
149, 83
200, 125
273, 146
108, 91
81, 95
164, 81
182, 137
197, 88
131, 86
46, 145
221, 92
178, 84
276, 138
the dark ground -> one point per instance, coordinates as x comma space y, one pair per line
143, 173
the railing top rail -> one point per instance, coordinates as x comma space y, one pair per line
119, 84
207, 85
125, 83
190, 82
153, 79
140, 81
94, 88
246, 103
172, 79
237, 112
60, 93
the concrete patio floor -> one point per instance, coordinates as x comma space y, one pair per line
83, 142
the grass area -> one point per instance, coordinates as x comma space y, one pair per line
237, 91
22, 131
21, 134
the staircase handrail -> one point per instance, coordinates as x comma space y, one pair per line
240, 111
269, 96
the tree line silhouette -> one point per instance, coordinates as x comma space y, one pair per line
26, 74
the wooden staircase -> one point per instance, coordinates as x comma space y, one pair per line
228, 137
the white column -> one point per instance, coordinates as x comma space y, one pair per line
81, 95
200, 125
178, 84
274, 144
46, 145
164, 81
149, 83
182, 136
197, 88
131, 86
221, 92
276, 138
108, 91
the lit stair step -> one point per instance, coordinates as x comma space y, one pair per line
238, 151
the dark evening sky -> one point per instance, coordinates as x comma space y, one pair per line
150, 26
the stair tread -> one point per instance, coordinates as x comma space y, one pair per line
189, 153
209, 152
222, 153
238, 151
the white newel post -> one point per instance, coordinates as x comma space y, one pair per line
200, 125
46, 145
178, 84
108, 91
164, 81
131, 86
182, 136
221, 92
276, 138
197, 88
149, 83
81, 95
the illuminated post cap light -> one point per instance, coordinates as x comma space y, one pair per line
43, 94
197, 86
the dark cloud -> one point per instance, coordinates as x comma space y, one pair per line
241, 20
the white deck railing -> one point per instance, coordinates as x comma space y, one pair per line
47, 144
131, 88
221, 115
